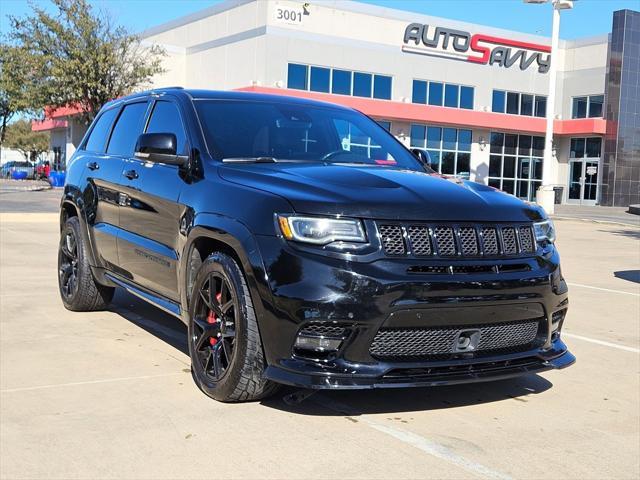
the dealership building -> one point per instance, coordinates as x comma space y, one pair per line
474, 97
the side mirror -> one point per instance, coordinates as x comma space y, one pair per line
422, 155
159, 148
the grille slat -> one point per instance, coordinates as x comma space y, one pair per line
509, 242
420, 240
446, 241
526, 239
490, 241
404, 343
468, 241
392, 239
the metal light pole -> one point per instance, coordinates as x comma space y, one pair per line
545, 195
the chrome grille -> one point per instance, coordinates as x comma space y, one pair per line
392, 240
405, 343
526, 239
446, 241
420, 240
468, 241
458, 241
509, 242
490, 241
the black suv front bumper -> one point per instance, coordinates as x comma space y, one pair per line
304, 288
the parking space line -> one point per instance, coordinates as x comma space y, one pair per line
89, 382
603, 289
430, 447
602, 342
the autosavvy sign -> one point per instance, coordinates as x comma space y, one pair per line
476, 48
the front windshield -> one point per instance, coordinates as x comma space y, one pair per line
244, 129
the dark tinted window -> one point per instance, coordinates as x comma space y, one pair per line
436, 93
434, 137
385, 124
341, 83
299, 132
451, 94
595, 105
580, 107
297, 76
362, 84
449, 138
166, 119
98, 138
128, 128
466, 97
382, 87
541, 106
497, 104
513, 99
526, 104
577, 148
320, 79
419, 94
417, 135
464, 140
594, 147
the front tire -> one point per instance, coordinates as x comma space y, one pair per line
227, 361
78, 289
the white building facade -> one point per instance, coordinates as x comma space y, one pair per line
473, 96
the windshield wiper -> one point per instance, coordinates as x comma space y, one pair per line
250, 160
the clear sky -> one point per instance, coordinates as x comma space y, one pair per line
588, 17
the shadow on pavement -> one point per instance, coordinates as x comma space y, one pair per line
624, 233
398, 400
342, 403
629, 275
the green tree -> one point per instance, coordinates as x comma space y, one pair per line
19, 92
85, 60
20, 137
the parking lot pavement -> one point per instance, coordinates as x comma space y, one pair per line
109, 394
29, 201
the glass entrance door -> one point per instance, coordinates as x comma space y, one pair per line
583, 181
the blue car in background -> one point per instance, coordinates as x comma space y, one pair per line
8, 169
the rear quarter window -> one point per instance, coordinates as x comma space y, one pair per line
97, 140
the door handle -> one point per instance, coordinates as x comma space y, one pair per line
93, 166
131, 174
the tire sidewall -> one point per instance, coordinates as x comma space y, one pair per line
71, 225
224, 387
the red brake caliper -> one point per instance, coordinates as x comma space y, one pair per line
211, 318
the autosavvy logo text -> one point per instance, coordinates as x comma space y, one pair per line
477, 48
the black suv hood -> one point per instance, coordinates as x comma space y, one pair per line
380, 193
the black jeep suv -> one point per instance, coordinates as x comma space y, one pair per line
302, 244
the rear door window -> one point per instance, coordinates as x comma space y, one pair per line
127, 129
97, 140
166, 119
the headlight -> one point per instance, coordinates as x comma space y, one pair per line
321, 231
545, 231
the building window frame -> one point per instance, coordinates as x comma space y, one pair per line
500, 100
379, 83
454, 154
595, 99
510, 155
431, 88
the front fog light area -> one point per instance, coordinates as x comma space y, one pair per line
317, 344
319, 340
557, 318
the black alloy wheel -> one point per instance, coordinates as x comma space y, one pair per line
68, 269
214, 332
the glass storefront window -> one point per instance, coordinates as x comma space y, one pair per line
516, 103
448, 148
513, 103
515, 163
451, 95
587, 107
466, 97
436, 93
